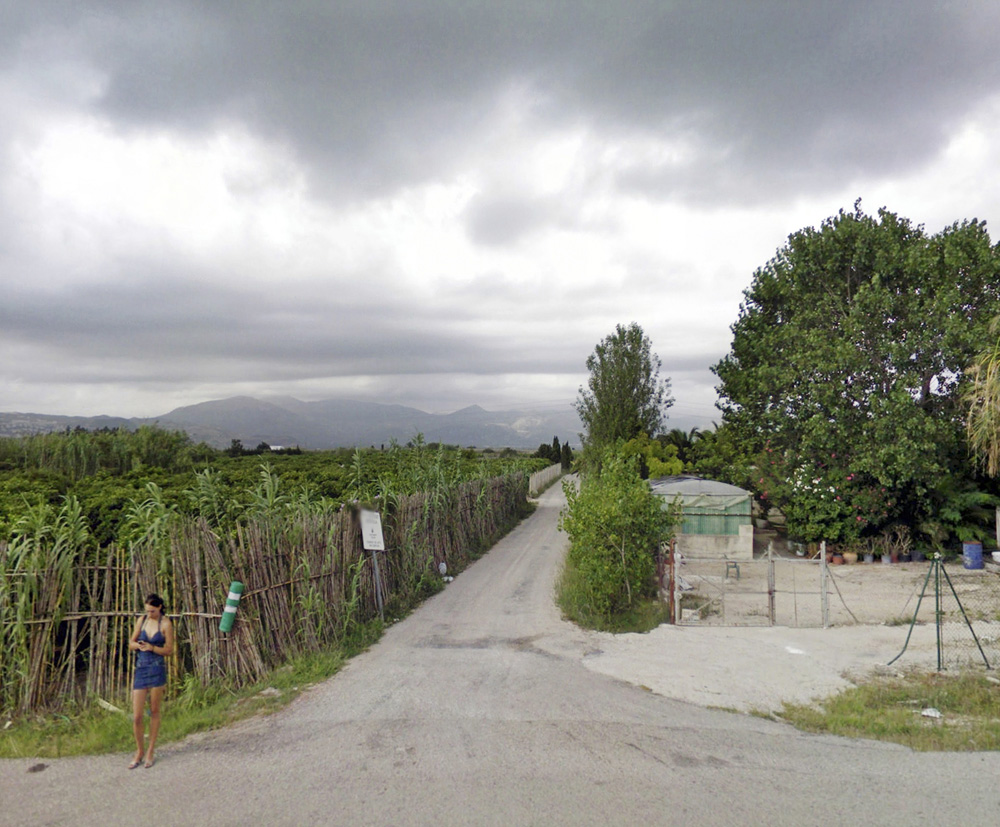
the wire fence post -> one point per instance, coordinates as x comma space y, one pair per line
937, 606
770, 585
824, 598
675, 582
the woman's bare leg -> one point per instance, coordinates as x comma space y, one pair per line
155, 702
138, 705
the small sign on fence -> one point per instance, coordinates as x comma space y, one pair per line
372, 540
371, 531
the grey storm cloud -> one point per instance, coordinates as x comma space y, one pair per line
692, 105
189, 325
373, 94
502, 219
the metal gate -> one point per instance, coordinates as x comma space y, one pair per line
768, 591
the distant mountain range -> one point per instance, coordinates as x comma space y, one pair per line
333, 423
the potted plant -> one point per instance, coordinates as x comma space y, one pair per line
868, 547
895, 541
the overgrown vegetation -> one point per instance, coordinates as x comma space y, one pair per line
645, 613
890, 709
615, 525
982, 397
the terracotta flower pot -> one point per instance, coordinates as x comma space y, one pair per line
850, 557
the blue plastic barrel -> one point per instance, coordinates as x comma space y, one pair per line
972, 555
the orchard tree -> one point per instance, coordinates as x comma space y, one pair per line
719, 455
625, 396
846, 367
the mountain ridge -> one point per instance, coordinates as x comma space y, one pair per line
330, 423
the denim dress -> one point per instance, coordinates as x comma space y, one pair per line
150, 668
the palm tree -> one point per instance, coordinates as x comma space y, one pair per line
683, 440
982, 396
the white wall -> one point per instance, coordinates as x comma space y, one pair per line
717, 546
540, 479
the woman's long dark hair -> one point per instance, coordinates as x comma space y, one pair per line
155, 600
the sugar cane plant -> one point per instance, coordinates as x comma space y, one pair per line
67, 601
36, 585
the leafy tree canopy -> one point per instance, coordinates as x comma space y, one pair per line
656, 459
625, 396
846, 364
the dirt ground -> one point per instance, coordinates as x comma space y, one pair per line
860, 593
728, 655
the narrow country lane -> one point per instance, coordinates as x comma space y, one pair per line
477, 709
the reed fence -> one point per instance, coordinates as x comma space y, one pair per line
64, 634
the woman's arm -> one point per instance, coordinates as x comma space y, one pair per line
167, 648
133, 642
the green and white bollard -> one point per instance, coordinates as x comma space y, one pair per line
232, 601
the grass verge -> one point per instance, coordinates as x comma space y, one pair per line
890, 709
93, 730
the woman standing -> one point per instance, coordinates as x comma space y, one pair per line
153, 640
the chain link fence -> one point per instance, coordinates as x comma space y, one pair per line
773, 590
966, 604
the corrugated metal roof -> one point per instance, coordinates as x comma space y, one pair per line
695, 486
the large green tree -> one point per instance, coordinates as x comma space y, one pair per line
625, 395
844, 375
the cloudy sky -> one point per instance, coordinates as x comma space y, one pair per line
446, 203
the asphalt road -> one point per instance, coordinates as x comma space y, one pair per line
477, 709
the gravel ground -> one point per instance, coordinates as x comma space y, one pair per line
756, 668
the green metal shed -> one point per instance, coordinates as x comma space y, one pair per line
716, 513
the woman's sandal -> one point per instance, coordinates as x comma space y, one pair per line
135, 763
149, 763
